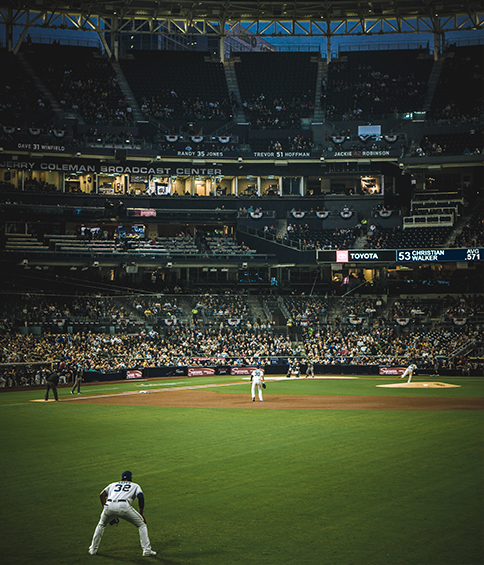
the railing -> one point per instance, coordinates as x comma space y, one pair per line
428, 221
77, 40
437, 203
275, 238
384, 46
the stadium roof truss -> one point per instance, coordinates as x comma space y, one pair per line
222, 19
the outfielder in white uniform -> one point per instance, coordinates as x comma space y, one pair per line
257, 378
409, 371
116, 500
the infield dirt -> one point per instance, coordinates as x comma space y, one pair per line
213, 399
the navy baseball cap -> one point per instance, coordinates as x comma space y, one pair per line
127, 476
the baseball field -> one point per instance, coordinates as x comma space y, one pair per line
324, 471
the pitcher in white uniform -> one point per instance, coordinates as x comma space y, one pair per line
257, 378
116, 500
409, 371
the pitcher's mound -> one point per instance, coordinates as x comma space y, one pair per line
419, 385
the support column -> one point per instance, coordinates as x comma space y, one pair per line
102, 39
115, 38
328, 49
9, 30
436, 46
221, 47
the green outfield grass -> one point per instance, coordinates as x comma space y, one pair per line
246, 486
367, 386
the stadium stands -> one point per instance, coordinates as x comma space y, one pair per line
472, 234
463, 143
21, 102
462, 66
371, 84
338, 238
277, 89
395, 238
90, 283
82, 81
175, 85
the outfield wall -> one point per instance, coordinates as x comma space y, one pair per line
167, 372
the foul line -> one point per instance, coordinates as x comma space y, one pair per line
131, 392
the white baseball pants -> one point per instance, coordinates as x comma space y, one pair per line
257, 383
126, 512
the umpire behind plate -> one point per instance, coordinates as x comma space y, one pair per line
116, 500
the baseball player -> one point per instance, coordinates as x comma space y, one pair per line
116, 501
52, 382
257, 378
310, 368
77, 380
294, 368
409, 371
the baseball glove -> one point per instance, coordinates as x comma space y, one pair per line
114, 521
263, 385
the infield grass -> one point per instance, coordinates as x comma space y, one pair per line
246, 486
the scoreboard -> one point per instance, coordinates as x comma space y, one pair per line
438, 255
430, 255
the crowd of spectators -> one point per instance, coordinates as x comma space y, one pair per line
223, 245
168, 106
180, 346
379, 237
468, 143
224, 307
386, 346
307, 310
82, 82
34, 309
361, 306
295, 143
472, 234
155, 309
409, 308
193, 346
278, 113
369, 91
221, 329
369, 83
451, 114
463, 307
96, 138
323, 239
